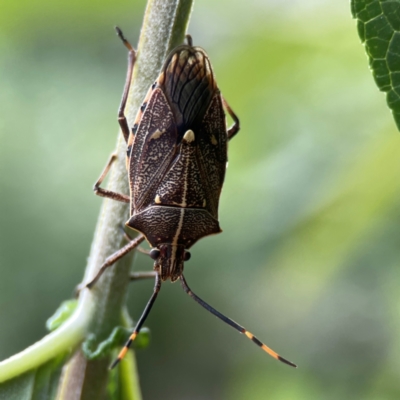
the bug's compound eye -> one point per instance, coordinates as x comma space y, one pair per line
154, 254
187, 256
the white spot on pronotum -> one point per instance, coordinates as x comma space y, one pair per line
158, 199
188, 136
156, 134
204, 202
213, 140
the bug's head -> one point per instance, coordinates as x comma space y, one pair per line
168, 260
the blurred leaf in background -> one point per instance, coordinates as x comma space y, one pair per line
308, 259
378, 25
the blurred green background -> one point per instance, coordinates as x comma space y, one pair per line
308, 260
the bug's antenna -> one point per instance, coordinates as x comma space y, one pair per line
233, 324
149, 305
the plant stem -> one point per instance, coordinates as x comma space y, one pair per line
164, 27
100, 308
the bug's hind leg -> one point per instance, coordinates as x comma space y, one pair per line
234, 129
122, 122
131, 62
189, 40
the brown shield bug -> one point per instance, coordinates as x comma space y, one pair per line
176, 162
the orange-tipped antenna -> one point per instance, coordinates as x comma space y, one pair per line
233, 324
149, 305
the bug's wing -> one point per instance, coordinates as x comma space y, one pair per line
212, 152
179, 215
153, 148
189, 84
182, 184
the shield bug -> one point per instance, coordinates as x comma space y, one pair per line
176, 162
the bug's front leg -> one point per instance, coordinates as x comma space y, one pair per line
108, 193
135, 276
115, 257
140, 249
234, 129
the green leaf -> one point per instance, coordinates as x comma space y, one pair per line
62, 313
378, 23
117, 338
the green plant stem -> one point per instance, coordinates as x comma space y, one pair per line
129, 376
63, 339
99, 309
163, 28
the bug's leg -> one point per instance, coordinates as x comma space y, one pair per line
140, 248
131, 62
189, 40
115, 257
138, 275
233, 324
144, 251
135, 276
149, 305
234, 129
108, 193
127, 237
